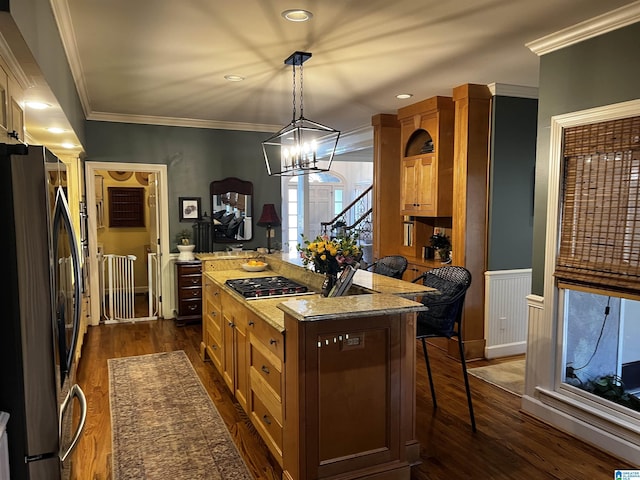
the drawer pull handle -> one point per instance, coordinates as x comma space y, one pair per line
195, 281
214, 347
192, 307
266, 419
213, 314
232, 325
272, 341
215, 294
251, 323
265, 369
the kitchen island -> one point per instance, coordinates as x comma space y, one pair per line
329, 383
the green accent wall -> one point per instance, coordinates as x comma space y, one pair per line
511, 182
194, 157
597, 72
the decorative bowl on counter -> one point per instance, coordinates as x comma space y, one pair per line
254, 266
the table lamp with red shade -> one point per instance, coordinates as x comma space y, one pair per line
269, 219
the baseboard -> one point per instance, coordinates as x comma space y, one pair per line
507, 350
587, 433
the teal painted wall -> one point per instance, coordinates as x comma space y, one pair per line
597, 72
194, 158
511, 183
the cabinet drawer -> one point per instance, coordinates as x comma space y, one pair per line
212, 292
190, 280
190, 292
192, 269
211, 309
269, 336
269, 426
213, 346
263, 364
212, 325
190, 306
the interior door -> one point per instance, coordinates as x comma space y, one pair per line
320, 208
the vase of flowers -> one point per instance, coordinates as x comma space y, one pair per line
329, 256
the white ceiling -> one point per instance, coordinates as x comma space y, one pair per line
164, 61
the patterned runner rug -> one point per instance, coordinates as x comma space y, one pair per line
164, 424
507, 375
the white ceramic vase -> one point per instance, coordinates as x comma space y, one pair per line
186, 253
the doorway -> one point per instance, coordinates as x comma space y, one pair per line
157, 230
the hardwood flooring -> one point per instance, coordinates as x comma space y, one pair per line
507, 445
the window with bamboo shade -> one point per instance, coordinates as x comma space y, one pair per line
600, 219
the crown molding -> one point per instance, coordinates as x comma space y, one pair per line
62, 16
607, 22
182, 122
506, 90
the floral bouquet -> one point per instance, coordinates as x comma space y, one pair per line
329, 255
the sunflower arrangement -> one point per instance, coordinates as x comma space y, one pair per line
329, 255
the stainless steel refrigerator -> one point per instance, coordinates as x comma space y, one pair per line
40, 315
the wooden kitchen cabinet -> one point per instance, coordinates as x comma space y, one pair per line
211, 345
426, 137
234, 347
249, 354
188, 292
266, 383
419, 186
11, 112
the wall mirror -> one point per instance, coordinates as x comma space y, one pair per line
232, 210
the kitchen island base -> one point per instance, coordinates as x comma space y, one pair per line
328, 383
350, 415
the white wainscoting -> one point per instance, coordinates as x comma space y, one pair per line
505, 319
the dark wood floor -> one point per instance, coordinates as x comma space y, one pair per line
507, 445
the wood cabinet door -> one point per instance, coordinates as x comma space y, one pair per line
408, 198
426, 185
419, 186
212, 332
240, 358
228, 328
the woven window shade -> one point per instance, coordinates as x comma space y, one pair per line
600, 224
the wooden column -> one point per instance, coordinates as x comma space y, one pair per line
470, 204
387, 221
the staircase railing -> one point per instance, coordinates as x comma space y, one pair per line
354, 218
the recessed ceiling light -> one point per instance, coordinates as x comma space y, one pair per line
297, 15
56, 130
38, 105
403, 96
234, 78
68, 145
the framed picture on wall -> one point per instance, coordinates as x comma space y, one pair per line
189, 208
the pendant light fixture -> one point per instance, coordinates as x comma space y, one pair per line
303, 146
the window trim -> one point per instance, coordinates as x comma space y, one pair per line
550, 390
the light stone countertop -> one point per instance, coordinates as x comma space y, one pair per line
375, 293
320, 308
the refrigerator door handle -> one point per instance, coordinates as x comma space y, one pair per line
74, 391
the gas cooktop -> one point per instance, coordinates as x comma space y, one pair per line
276, 286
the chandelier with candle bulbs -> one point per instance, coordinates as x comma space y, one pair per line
303, 146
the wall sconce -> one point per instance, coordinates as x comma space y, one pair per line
269, 219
